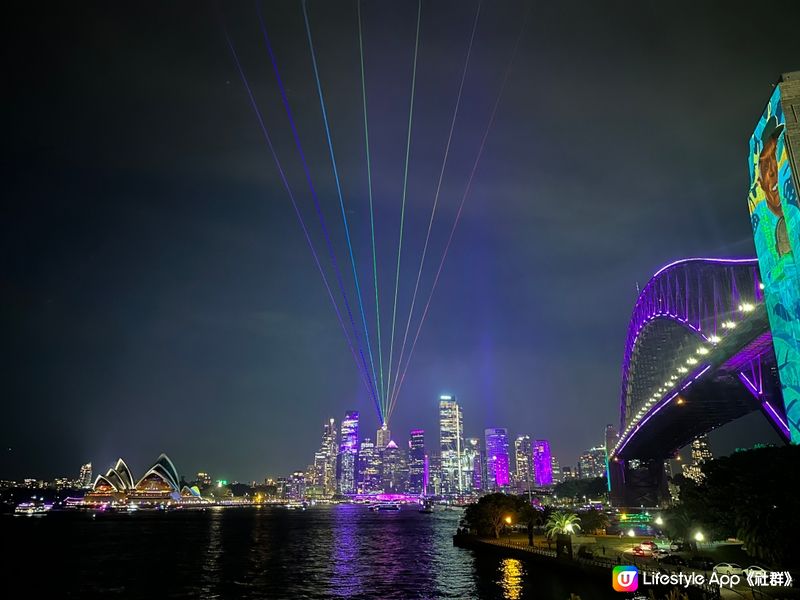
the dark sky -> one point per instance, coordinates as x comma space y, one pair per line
157, 293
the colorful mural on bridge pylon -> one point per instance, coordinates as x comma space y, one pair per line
775, 217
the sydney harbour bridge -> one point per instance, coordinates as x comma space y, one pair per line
698, 355
701, 345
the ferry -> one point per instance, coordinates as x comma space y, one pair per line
426, 507
385, 506
32, 508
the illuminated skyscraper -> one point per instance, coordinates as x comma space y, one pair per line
324, 469
416, 461
369, 475
701, 453
497, 459
542, 463
85, 478
451, 445
592, 463
523, 463
382, 438
394, 475
348, 454
556, 469
473, 473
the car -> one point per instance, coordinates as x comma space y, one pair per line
661, 553
755, 570
651, 546
639, 551
728, 569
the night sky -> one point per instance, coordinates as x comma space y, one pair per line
157, 292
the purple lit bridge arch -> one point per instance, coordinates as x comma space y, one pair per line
698, 354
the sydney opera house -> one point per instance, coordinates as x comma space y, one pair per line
160, 485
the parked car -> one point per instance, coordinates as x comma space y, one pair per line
728, 569
755, 569
673, 559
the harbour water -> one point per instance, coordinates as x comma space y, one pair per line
342, 551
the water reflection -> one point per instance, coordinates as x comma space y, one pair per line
511, 580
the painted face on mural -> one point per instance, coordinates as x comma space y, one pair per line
768, 175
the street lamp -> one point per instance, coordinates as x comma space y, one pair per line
699, 537
659, 520
508, 528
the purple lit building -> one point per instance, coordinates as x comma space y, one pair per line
497, 460
347, 462
542, 463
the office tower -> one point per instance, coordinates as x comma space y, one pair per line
556, 469
416, 462
296, 486
523, 463
451, 445
324, 469
394, 475
567, 473
542, 463
611, 437
203, 479
369, 475
434, 474
383, 437
348, 454
497, 458
85, 478
592, 463
473, 473
701, 453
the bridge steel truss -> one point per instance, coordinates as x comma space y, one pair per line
698, 354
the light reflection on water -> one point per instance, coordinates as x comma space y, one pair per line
341, 551
511, 580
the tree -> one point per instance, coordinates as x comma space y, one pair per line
529, 515
746, 495
594, 520
487, 517
562, 522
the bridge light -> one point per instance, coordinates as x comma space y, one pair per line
746, 307
728, 325
702, 350
691, 361
680, 400
683, 370
714, 339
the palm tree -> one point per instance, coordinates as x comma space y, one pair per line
562, 522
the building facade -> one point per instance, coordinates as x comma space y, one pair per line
523, 463
451, 445
347, 462
592, 463
497, 458
416, 461
542, 463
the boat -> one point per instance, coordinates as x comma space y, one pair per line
426, 507
32, 508
386, 506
